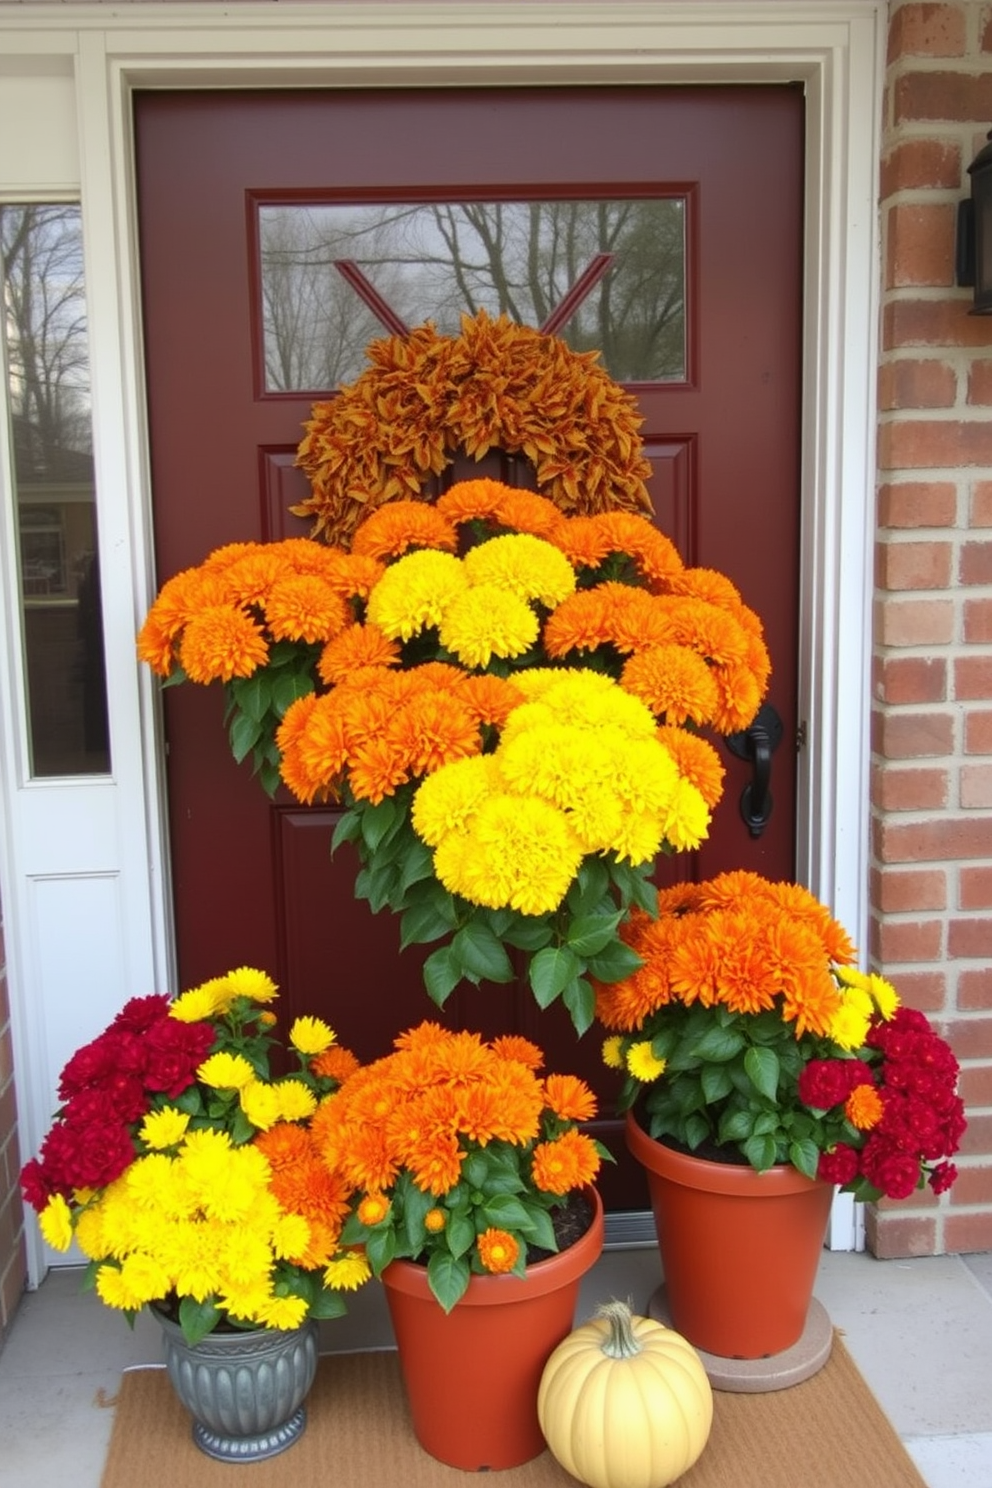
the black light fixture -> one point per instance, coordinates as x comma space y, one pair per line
974, 242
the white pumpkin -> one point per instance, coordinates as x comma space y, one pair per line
624, 1402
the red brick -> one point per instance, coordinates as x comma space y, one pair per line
916, 384
900, 736
975, 888
911, 679
918, 504
978, 732
898, 941
921, 444
975, 1085
920, 245
980, 382
927, 31
973, 677
13, 1282
976, 563
975, 990
957, 96
978, 621
971, 1038
943, 322
894, 1236
973, 1186
909, 790
896, 892
915, 622
921, 163
937, 841
981, 504
914, 565
968, 939
967, 1233
977, 1140
976, 789
924, 990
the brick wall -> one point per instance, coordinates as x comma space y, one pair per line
931, 888
13, 1270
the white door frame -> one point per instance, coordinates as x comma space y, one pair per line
95, 56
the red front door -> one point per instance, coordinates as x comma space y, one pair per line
252, 881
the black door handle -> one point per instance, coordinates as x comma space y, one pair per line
757, 744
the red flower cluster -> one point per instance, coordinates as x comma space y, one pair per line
107, 1087
920, 1119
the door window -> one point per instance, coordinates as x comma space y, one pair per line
46, 358
438, 260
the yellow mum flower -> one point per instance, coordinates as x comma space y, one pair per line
199, 1003
487, 622
446, 801
849, 1026
90, 1235
290, 1237
885, 995
248, 981
260, 1104
143, 1276
524, 565
688, 819
190, 1252
311, 1035
642, 1063
414, 593
246, 1255
346, 1273
163, 1128
226, 1071
282, 1312
613, 1052
55, 1222
112, 1289
296, 1102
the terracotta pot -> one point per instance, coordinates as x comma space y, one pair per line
739, 1248
472, 1374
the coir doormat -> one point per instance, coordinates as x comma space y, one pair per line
828, 1432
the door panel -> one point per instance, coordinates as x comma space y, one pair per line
253, 881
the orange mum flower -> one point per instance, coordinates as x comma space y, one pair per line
432, 730
864, 1107
739, 698
569, 1097
580, 623
567, 1163
284, 1144
335, 1063
356, 647
674, 682
435, 1221
514, 1046
498, 1251
303, 608
490, 699
373, 1209
220, 643
696, 760
249, 578
436, 1163
376, 769
393, 529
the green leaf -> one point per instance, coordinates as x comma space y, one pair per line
378, 821
550, 972
380, 1248
719, 1044
442, 973
427, 920
460, 1234
528, 932
475, 1169
762, 1070
328, 1304
243, 735
540, 1230
716, 1082
580, 999
416, 864
481, 954
590, 934
448, 1278
505, 1212
591, 887
348, 829
805, 1156
287, 688
760, 1152
253, 695
614, 962
635, 887
197, 1319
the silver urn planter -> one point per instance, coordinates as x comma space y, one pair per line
245, 1391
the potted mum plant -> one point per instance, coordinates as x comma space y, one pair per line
185, 1172
473, 1200
506, 701
762, 1069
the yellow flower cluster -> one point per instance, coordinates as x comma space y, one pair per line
200, 1221
578, 770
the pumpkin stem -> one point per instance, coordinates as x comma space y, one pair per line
620, 1342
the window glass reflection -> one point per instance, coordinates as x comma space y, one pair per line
47, 369
437, 261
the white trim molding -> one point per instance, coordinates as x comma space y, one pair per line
92, 57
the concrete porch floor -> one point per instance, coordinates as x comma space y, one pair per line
920, 1331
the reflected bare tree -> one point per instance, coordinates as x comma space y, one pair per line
437, 261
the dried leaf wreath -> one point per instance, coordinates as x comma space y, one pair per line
497, 385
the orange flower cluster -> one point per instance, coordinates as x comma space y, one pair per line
221, 619
739, 941
304, 1185
442, 1097
497, 385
